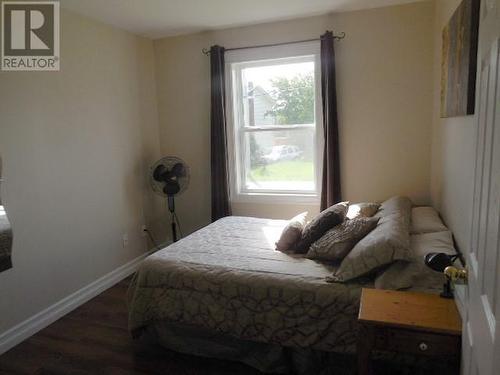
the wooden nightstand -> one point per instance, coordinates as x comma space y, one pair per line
406, 322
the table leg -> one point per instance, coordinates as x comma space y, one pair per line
365, 342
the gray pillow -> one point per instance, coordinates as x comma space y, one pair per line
406, 274
318, 226
396, 204
388, 242
336, 243
292, 233
363, 209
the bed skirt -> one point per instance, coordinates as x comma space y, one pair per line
275, 359
267, 358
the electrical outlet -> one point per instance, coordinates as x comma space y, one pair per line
125, 239
144, 230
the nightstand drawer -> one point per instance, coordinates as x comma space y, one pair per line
407, 322
408, 341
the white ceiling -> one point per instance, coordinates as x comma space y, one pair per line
160, 18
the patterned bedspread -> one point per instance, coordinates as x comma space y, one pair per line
227, 277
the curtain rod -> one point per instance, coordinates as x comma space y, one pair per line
340, 36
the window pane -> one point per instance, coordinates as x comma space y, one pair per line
279, 160
278, 94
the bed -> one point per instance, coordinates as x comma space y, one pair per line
227, 277
225, 285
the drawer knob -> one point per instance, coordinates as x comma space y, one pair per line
423, 346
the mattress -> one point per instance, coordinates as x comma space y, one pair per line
228, 278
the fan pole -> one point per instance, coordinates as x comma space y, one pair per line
174, 229
171, 208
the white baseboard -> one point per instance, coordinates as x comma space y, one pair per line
39, 321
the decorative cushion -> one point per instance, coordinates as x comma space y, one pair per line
336, 243
426, 220
291, 233
396, 204
388, 242
406, 274
362, 210
318, 226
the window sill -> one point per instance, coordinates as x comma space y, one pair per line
278, 198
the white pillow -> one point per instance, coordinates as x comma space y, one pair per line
292, 233
404, 275
437, 242
425, 220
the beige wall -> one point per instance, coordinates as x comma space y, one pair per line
452, 149
384, 70
75, 146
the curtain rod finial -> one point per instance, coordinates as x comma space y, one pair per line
205, 51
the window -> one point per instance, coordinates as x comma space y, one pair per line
273, 116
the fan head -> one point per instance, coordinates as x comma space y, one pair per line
169, 176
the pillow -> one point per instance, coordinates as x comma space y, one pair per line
406, 274
426, 220
291, 233
336, 243
438, 242
318, 226
388, 242
362, 210
396, 204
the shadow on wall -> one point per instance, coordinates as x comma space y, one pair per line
5, 233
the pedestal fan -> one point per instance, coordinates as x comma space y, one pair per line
169, 178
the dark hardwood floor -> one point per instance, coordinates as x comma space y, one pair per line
94, 339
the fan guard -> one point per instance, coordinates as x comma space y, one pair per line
169, 163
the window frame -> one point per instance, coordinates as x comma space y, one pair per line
260, 57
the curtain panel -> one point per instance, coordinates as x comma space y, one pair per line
330, 186
218, 136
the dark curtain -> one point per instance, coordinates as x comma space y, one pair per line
218, 136
330, 187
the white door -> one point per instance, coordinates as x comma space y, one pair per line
481, 333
